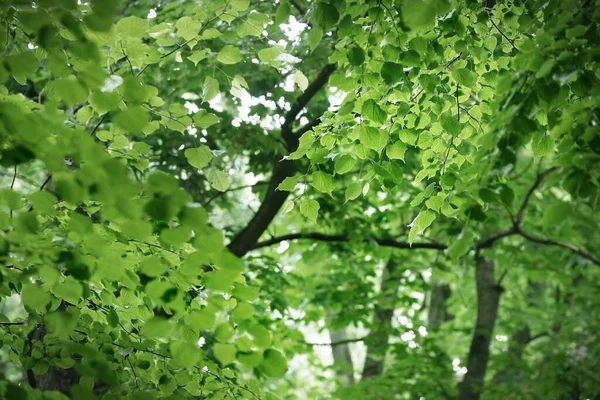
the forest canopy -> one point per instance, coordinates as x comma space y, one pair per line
299, 199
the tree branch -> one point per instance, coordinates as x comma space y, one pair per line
323, 237
246, 239
339, 342
550, 242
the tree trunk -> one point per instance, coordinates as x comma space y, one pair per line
382, 323
438, 313
488, 299
344, 368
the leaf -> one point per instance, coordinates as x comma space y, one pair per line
460, 247
186, 354
546, 68
418, 14
555, 214
396, 151
205, 119
325, 15
314, 37
229, 55
323, 182
344, 163
210, 89
391, 73
132, 120
243, 311
371, 110
464, 77
490, 42
310, 209
450, 124
225, 353
353, 191
282, 14
373, 138
420, 224
188, 28
218, 180
301, 80
542, 146
356, 56
274, 364
288, 183
199, 157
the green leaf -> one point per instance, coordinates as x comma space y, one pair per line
288, 183
314, 37
186, 354
34, 297
490, 42
205, 119
546, 68
132, 120
323, 182
396, 151
157, 327
243, 311
199, 157
344, 163
225, 353
420, 224
356, 56
310, 209
450, 124
229, 55
460, 247
418, 14
218, 180
542, 146
274, 364
301, 80
373, 138
188, 28
210, 89
371, 111
103, 102
464, 77
70, 290
391, 73
555, 214
282, 14
353, 191
325, 15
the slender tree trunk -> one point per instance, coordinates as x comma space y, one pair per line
344, 368
382, 322
488, 299
438, 312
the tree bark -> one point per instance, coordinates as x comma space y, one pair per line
488, 300
344, 368
382, 322
438, 313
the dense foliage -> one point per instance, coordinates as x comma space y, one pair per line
374, 199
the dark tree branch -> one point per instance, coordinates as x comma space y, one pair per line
550, 242
538, 181
246, 239
322, 237
338, 342
298, 7
219, 194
